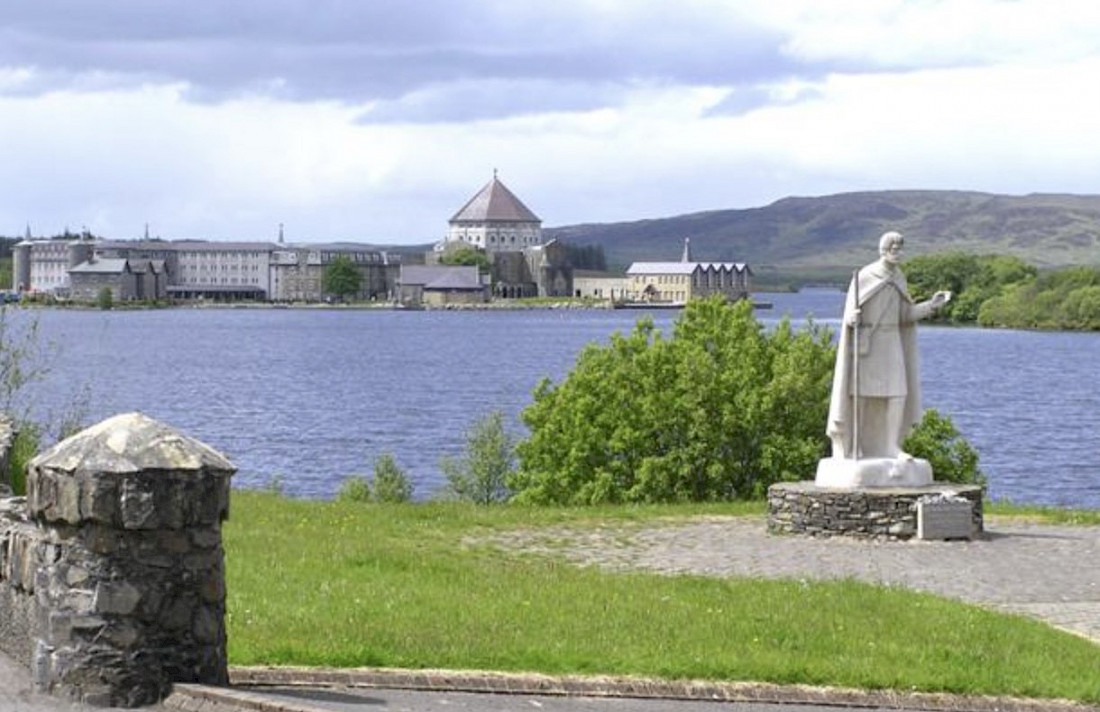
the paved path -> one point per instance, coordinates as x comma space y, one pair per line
1049, 572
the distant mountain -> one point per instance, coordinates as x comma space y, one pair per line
831, 234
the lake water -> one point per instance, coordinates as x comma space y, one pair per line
313, 396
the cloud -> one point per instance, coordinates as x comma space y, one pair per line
375, 121
358, 52
908, 34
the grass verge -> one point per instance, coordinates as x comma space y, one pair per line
1004, 509
348, 584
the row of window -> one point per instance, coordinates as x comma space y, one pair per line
185, 269
224, 280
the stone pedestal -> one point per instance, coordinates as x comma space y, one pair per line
866, 512
873, 472
130, 585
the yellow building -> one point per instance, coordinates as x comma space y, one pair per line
677, 282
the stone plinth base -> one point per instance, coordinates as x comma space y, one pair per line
863, 512
873, 472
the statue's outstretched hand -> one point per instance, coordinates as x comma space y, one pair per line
939, 299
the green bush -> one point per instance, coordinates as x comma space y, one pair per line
936, 439
391, 484
719, 411
972, 279
355, 488
27, 443
482, 474
105, 299
388, 483
1063, 299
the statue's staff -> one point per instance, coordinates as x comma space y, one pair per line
855, 368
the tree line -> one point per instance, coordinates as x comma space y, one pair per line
1004, 291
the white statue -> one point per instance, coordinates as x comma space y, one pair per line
876, 384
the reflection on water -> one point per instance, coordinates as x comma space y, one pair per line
315, 395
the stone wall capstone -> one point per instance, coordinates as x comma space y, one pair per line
113, 570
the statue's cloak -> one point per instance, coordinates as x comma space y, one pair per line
872, 279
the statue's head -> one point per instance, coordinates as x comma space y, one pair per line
890, 245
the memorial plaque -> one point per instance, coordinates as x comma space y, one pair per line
945, 519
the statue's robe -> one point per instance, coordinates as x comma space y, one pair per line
888, 358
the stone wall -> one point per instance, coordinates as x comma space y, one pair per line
112, 571
868, 513
19, 541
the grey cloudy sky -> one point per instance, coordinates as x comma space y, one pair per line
375, 120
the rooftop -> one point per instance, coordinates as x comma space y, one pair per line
495, 203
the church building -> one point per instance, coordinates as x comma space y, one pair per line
495, 220
497, 223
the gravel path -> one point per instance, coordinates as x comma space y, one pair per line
1049, 572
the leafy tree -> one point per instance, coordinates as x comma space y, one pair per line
972, 279
719, 411
1062, 299
936, 439
481, 475
467, 255
341, 278
105, 299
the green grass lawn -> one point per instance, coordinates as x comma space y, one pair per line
347, 584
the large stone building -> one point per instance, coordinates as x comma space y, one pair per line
440, 285
677, 282
195, 269
497, 223
495, 220
296, 271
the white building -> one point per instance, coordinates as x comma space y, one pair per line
194, 269
42, 266
240, 269
494, 220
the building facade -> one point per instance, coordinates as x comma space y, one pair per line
677, 282
194, 269
440, 285
495, 220
589, 284
296, 272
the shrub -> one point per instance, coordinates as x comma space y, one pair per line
388, 483
719, 411
355, 488
936, 439
481, 475
25, 447
391, 484
104, 298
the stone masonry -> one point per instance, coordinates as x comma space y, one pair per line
113, 570
869, 513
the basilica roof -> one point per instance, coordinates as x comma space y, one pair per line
493, 203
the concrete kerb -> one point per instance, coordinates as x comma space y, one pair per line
249, 683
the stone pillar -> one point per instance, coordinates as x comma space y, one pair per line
130, 586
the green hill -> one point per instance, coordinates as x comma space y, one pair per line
825, 237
